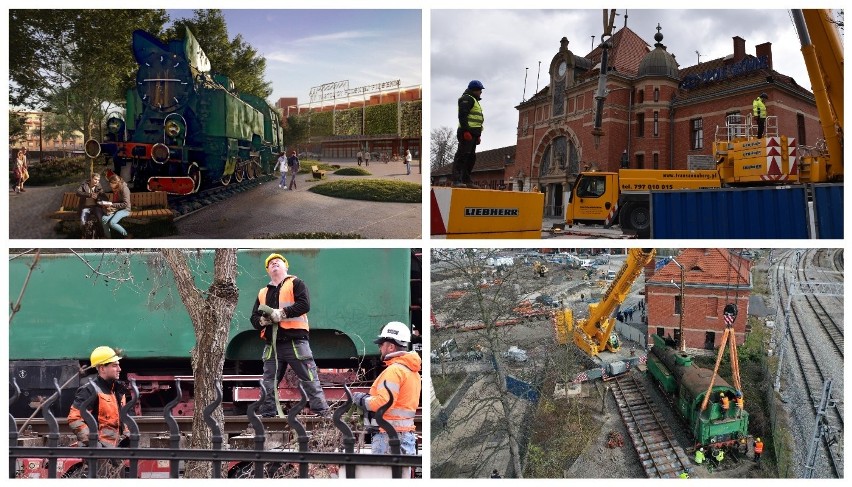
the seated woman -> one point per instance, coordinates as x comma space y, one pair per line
117, 207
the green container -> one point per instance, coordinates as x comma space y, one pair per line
66, 312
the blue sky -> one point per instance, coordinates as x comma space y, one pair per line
305, 48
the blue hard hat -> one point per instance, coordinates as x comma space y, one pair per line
475, 85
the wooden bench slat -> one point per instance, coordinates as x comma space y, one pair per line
143, 206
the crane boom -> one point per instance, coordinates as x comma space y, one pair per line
593, 334
823, 55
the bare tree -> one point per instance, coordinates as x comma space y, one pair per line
443, 147
489, 294
211, 312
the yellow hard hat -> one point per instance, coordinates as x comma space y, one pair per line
275, 256
757, 439
103, 355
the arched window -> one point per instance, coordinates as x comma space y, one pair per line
561, 155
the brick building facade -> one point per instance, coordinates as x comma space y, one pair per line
712, 279
656, 115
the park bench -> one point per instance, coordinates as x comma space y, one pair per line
317, 172
144, 206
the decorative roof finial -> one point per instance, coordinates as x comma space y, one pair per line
659, 37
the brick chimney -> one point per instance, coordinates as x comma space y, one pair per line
739, 49
765, 49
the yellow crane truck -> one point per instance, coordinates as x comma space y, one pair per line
623, 197
594, 334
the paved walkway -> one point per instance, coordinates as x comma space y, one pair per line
28, 211
257, 212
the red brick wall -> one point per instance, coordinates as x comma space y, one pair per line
703, 312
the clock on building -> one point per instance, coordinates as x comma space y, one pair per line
562, 67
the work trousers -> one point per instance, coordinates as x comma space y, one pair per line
381, 443
297, 354
465, 157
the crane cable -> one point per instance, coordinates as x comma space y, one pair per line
728, 337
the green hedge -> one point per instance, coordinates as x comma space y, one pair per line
381, 119
320, 124
411, 119
348, 122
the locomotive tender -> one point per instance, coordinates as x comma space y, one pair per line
185, 127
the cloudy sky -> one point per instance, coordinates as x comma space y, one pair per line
306, 48
495, 47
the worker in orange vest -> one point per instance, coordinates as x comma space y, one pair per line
112, 395
401, 378
740, 403
726, 403
758, 449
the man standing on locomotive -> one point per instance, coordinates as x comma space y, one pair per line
402, 378
111, 398
281, 314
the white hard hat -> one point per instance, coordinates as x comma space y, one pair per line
396, 332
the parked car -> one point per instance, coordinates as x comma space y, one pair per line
547, 300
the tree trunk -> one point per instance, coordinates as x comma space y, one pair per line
211, 318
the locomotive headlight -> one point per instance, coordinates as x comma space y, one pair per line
114, 125
173, 128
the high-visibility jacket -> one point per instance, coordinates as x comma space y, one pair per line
726, 403
758, 447
740, 403
105, 409
758, 108
699, 457
475, 118
403, 380
720, 456
285, 298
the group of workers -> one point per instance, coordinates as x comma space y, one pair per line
280, 314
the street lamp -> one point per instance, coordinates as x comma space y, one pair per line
682, 344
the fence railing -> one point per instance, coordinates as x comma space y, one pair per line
135, 461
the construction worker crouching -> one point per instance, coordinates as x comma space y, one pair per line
718, 456
111, 397
281, 314
699, 456
402, 378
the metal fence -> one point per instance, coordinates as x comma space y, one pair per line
136, 461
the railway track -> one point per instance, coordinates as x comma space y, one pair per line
810, 327
651, 436
188, 204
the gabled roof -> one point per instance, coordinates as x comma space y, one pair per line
719, 267
490, 160
627, 52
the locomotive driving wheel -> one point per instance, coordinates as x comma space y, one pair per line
240, 170
194, 172
226, 179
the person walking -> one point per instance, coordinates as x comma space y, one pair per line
360, 157
22, 170
758, 449
403, 379
469, 134
280, 313
759, 113
407, 162
294, 166
281, 165
112, 396
117, 208
366, 158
